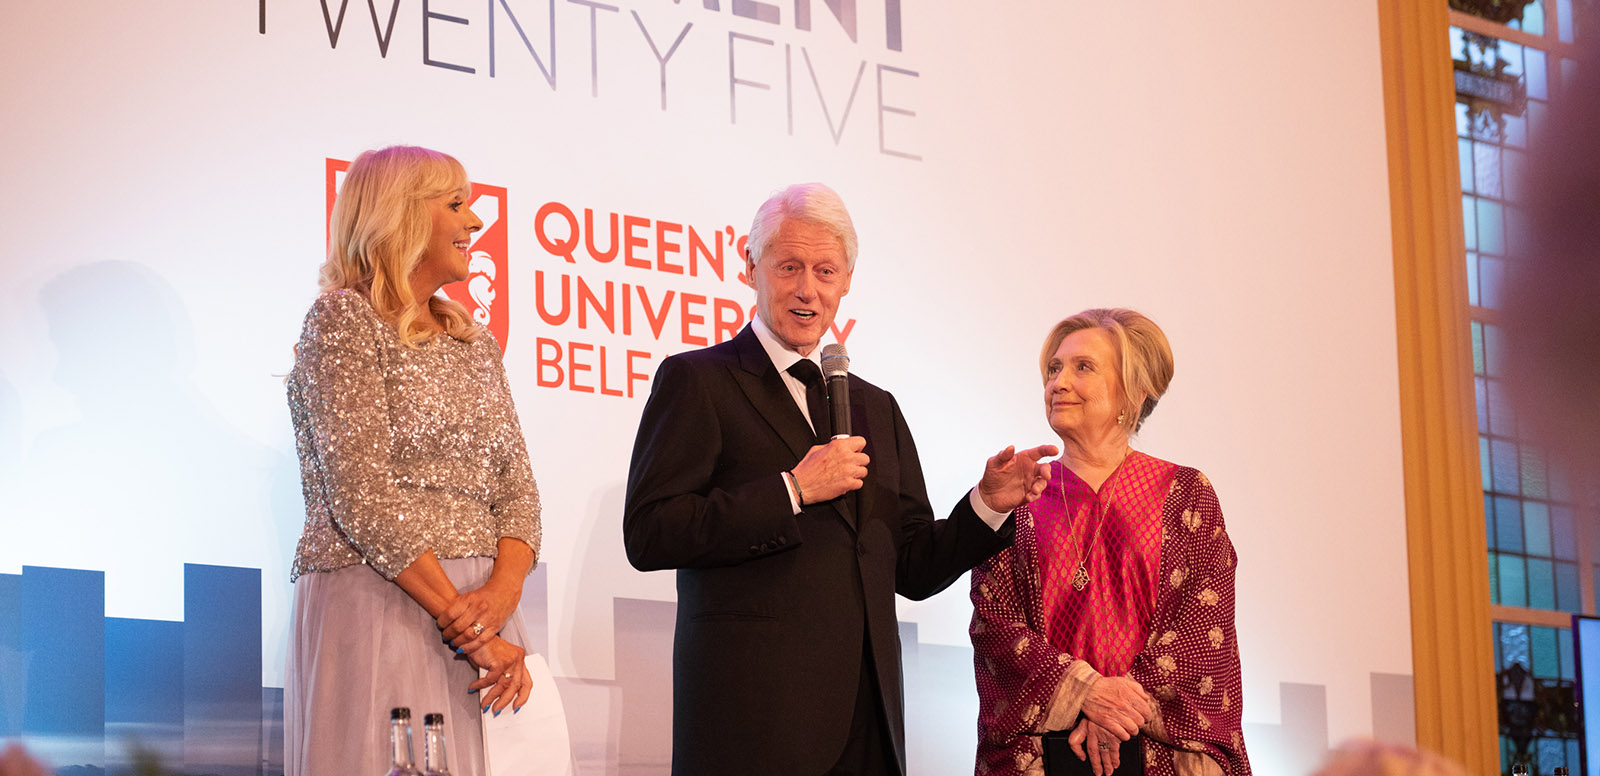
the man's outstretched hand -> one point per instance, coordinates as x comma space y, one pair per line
1015, 477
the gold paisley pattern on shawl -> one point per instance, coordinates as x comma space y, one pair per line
1014, 678
1197, 670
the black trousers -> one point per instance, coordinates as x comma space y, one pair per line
868, 751
1060, 761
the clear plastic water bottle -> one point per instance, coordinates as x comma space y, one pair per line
400, 743
434, 762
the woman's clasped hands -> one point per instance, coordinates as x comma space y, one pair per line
1113, 712
475, 617
471, 623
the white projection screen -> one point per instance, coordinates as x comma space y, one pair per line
1218, 166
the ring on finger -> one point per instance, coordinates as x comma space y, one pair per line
477, 629
506, 675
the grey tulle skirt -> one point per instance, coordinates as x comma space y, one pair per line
358, 647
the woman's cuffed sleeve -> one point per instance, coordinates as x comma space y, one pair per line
513, 493
342, 390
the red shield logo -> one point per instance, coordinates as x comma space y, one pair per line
485, 291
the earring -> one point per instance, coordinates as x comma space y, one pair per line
1122, 417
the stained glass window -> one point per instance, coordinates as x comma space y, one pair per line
1536, 671
1511, 57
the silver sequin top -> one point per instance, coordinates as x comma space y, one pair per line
403, 450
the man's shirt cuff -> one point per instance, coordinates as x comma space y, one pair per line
989, 517
794, 498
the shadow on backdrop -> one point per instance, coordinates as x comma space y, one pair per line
149, 478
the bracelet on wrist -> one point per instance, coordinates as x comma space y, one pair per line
799, 495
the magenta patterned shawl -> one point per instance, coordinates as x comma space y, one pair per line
1190, 662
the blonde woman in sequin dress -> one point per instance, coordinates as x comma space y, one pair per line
1108, 625
422, 517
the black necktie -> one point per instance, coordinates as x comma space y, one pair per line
807, 372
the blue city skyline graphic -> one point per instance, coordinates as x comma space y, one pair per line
89, 694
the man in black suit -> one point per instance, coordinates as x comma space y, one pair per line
790, 547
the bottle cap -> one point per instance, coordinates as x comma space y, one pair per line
433, 719
400, 712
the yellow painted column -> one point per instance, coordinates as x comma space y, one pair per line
1452, 651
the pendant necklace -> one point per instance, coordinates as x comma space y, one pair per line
1080, 578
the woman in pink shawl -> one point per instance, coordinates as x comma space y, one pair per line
1105, 635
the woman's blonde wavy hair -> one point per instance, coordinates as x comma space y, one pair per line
1144, 358
379, 230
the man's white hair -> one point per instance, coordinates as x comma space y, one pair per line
813, 203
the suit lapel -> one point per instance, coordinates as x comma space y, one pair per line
759, 379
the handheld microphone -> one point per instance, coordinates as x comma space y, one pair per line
836, 368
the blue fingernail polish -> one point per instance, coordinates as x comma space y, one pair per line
472, 692
517, 709
460, 651
486, 709
497, 712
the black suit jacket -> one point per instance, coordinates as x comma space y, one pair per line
772, 605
